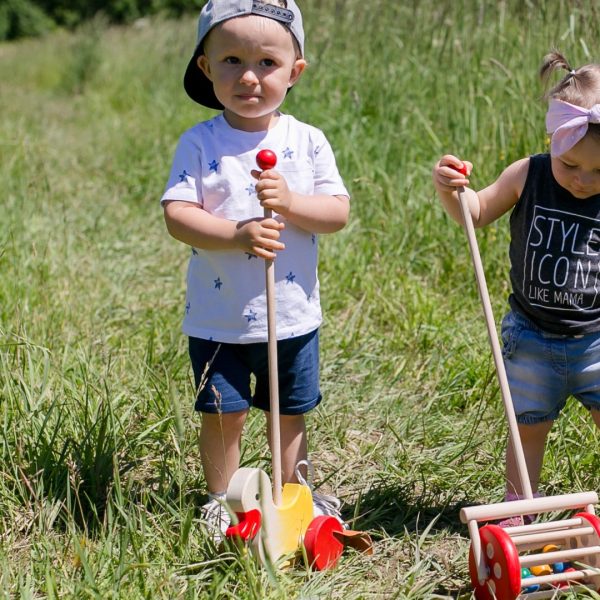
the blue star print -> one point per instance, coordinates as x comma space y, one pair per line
218, 283
250, 255
251, 316
213, 165
251, 189
290, 277
287, 153
183, 176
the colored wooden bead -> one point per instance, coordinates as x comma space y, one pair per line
539, 570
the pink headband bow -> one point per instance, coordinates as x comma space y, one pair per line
568, 124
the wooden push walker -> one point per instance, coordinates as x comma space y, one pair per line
527, 561
277, 522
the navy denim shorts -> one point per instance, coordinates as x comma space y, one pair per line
544, 369
222, 373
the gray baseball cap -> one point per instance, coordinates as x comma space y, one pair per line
198, 87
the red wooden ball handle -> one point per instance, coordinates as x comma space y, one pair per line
462, 169
266, 159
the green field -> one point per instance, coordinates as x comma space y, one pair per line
100, 484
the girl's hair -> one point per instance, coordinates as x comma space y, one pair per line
580, 87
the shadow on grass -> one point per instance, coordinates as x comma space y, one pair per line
394, 511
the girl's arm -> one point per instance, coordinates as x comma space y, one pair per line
191, 224
488, 204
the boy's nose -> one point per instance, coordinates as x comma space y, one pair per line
249, 77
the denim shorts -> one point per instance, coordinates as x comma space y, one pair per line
222, 373
544, 369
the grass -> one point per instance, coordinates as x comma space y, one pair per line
100, 482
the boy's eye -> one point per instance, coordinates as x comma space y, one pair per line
232, 60
267, 62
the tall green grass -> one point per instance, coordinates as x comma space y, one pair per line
100, 481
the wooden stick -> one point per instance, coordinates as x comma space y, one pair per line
501, 510
273, 376
558, 556
551, 593
558, 577
565, 524
497, 353
536, 540
477, 551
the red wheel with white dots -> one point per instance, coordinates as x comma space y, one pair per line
593, 539
323, 549
502, 561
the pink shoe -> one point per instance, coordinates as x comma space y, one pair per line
517, 520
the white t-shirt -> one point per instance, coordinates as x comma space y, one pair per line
226, 299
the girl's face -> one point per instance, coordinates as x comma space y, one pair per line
251, 62
578, 170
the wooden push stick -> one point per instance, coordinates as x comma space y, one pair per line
266, 159
496, 351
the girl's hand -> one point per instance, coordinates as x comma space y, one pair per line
272, 191
450, 173
260, 237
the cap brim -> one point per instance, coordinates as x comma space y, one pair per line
198, 87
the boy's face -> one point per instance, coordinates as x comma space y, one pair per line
251, 62
578, 169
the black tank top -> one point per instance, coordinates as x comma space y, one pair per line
555, 254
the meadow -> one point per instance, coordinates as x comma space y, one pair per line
100, 484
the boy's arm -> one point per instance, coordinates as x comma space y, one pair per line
191, 224
488, 204
319, 213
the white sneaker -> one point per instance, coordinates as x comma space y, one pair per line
216, 517
327, 505
322, 503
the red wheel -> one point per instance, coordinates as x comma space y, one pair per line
323, 549
502, 561
592, 520
590, 540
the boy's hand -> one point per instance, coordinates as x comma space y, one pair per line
260, 237
450, 173
272, 191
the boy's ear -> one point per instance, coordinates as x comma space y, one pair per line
204, 65
297, 70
